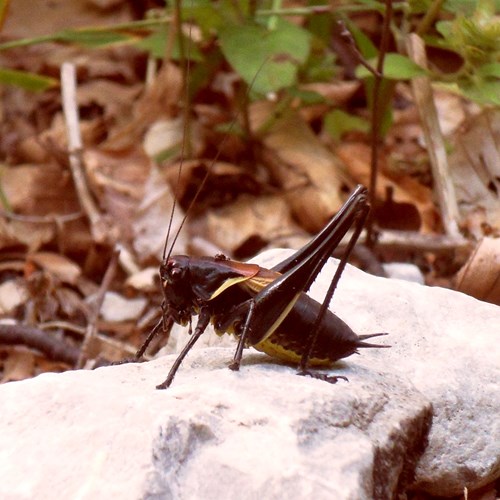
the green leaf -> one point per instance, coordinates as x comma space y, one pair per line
485, 92
363, 43
491, 69
93, 37
25, 80
396, 67
308, 97
207, 14
266, 60
338, 122
156, 43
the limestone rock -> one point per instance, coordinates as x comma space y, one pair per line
447, 345
264, 431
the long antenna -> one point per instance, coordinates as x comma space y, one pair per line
212, 163
186, 60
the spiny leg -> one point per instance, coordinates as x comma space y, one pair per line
203, 320
235, 365
360, 219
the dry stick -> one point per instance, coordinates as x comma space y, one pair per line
41, 219
91, 330
434, 139
99, 229
55, 349
410, 240
112, 343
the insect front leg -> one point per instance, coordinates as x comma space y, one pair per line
233, 318
203, 320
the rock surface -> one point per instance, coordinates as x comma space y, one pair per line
262, 432
265, 432
444, 343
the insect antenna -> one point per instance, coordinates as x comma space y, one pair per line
183, 149
185, 55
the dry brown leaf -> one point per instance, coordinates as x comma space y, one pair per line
310, 175
117, 179
334, 93
60, 266
39, 189
115, 99
475, 168
150, 221
18, 366
117, 308
224, 183
33, 236
168, 134
39, 18
159, 100
143, 280
480, 276
356, 156
246, 226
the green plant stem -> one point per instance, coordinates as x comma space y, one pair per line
62, 35
272, 22
322, 9
429, 17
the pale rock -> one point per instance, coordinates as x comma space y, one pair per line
447, 345
261, 432
265, 432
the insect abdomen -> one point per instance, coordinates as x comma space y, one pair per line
335, 339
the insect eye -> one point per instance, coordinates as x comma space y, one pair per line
175, 272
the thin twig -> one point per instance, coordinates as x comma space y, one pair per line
54, 348
376, 116
100, 231
434, 140
91, 330
345, 35
117, 345
435, 243
41, 219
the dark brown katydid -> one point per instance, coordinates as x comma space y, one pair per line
266, 309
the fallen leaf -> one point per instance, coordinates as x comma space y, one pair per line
143, 280
151, 219
246, 226
18, 366
310, 175
480, 276
60, 266
475, 168
405, 190
115, 307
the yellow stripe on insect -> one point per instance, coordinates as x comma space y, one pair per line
228, 283
281, 352
281, 317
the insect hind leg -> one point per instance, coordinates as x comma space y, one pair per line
359, 217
